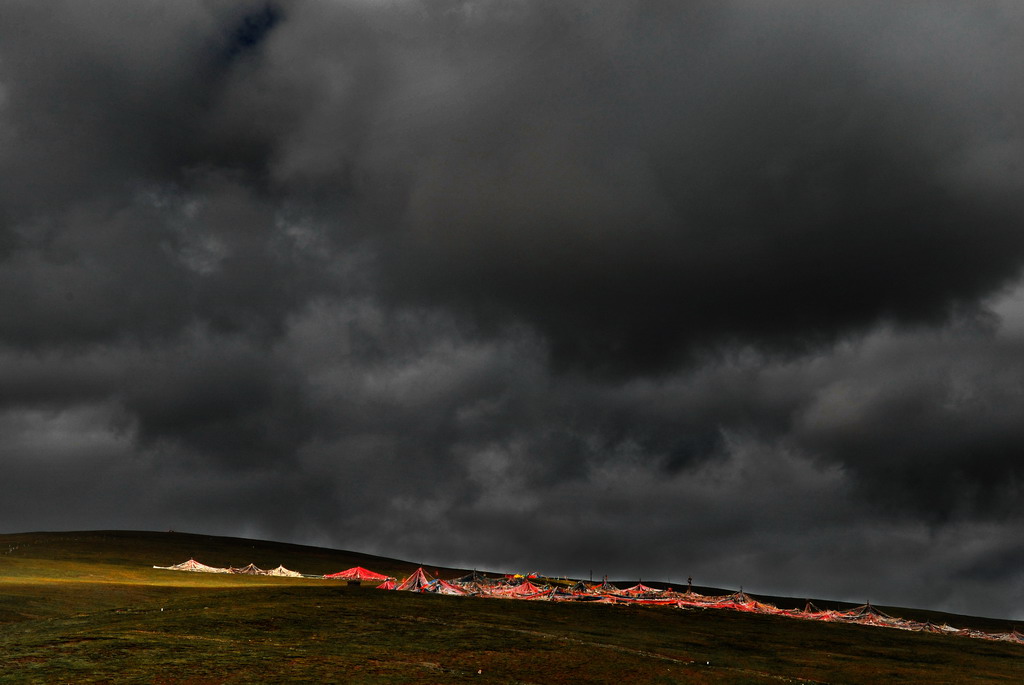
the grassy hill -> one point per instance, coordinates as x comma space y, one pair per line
89, 607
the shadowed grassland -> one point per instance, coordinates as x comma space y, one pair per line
86, 610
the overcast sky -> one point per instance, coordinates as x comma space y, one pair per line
648, 289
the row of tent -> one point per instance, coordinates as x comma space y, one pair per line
356, 573
476, 584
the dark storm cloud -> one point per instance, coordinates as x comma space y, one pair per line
126, 210
946, 406
638, 288
638, 185
221, 399
756, 181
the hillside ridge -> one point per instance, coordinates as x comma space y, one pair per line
164, 548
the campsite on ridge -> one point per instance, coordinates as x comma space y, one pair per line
90, 606
536, 588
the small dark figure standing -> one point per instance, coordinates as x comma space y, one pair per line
689, 585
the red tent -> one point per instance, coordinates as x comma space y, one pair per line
356, 573
388, 584
526, 588
640, 589
443, 587
416, 582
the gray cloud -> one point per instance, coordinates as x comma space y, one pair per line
648, 290
781, 195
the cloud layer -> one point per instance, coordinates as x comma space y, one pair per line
719, 290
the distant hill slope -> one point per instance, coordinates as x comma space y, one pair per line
144, 549
149, 549
90, 607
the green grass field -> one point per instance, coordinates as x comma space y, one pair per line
88, 607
